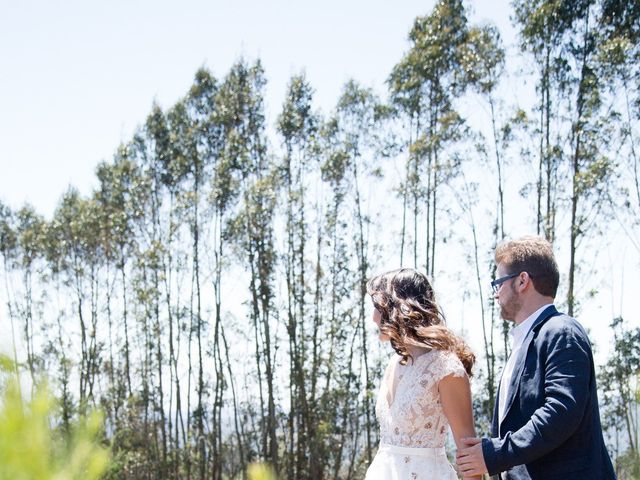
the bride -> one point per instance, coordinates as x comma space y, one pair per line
425, 387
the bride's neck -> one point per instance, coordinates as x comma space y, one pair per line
417, 350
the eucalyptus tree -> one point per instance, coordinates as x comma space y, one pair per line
349, 169
60, 347
75, 229
154, 153
122, 198
563, 37
169, 149
213, 168
544, 26
198, 143
225, 190
619, 58
483, 62
339, 401
9, 251
242, 116
298, 127
619, 382
591, 167
423, 86
8, 235
30, 231
184, 165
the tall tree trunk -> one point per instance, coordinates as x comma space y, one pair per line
362, 270
576, 192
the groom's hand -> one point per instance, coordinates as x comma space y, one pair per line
469, 459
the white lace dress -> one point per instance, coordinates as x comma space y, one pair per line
413, 427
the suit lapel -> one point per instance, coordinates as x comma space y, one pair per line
520, 359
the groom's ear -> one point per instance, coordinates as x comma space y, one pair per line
524, 280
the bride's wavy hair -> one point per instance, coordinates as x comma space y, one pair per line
410, 315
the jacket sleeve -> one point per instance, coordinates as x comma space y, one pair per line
567, 375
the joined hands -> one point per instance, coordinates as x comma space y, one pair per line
470, 459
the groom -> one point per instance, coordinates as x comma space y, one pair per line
546, 423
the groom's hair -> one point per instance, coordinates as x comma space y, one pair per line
533, 255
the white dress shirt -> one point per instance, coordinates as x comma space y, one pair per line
518, 334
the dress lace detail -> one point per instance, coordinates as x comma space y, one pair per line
413, 426
408, 406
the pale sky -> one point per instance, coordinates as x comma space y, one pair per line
77, 77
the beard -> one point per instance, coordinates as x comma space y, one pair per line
510, 307
506, 313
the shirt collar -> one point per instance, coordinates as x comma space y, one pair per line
520, 331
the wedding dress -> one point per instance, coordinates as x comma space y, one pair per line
413, 427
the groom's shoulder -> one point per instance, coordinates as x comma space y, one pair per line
562, 325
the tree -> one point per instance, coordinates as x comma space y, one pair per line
543, 27
423, 85
77, 254
252, 227
352, 161
619, 60
482, 60
563, 38
618, 380
298, 126
8, 249
30, 233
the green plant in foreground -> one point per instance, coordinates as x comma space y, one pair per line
31, 450
260, 471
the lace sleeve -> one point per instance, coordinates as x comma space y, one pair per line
446, 363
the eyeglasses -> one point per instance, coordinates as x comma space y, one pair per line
495, 284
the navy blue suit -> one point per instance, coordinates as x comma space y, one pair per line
551, 426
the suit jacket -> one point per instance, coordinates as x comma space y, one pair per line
551, 426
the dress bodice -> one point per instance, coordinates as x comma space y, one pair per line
408, 406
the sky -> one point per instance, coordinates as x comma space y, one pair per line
78, 77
